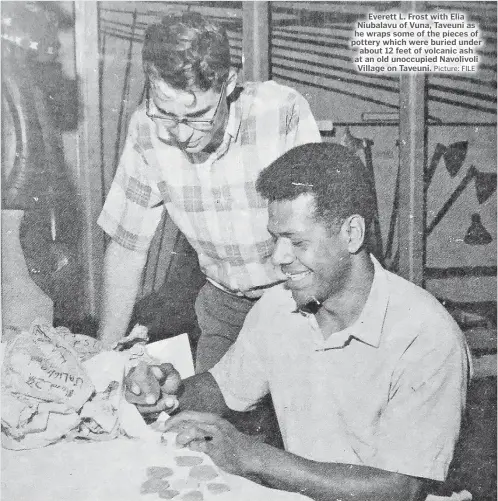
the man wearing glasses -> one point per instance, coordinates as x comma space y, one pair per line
196, 146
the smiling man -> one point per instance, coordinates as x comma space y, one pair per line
195, 147
368, 372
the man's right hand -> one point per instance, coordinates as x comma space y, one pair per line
153, 388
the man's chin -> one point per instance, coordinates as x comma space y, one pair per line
300, 297
307, 304
196, 148
191, 148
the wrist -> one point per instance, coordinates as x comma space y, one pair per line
256, 460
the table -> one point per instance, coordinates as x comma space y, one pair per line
106, 471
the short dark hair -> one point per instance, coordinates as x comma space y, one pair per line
332, 173
187, 51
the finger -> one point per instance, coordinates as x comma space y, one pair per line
189, 433
145, 409
150, 399
169, 378
158, 373
171, 402
162, 371
195, 433
134, 398
199, 445
140, 396
168, 403
203, 418
172, 383
134, 388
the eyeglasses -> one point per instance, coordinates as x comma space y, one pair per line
172, 121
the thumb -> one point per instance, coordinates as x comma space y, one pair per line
134, 388
158, 373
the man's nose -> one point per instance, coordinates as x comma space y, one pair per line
282, 252
183, 132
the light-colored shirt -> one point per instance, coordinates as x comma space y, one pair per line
215, 204
386, 392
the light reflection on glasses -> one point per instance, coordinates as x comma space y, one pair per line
172, 121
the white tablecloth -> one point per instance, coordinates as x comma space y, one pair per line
105, 471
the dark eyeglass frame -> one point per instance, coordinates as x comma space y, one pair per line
175, 121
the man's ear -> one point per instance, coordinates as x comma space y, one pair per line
231, 81
354, 231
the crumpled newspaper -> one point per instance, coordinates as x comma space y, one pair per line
57, 385
43, 388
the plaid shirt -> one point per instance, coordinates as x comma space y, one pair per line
214, 204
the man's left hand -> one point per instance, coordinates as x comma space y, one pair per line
152, 388
229, 449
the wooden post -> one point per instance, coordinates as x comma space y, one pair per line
88, 157
412, 158
412, 155
256, 40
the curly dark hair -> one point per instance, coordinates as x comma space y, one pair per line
188, 51
332, 173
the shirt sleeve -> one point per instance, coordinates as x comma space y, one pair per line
302, 127
420, 426
241, 374
128, 215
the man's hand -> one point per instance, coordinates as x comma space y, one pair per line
152, 388
229, 449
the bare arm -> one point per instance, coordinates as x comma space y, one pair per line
331, 481
243, 455
122, 275
202, 393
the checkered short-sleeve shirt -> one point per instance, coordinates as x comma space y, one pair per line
214, 204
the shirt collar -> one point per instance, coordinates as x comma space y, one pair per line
238, 109
368, 326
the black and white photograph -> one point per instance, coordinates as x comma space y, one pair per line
248, 250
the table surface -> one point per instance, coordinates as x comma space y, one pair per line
109, 471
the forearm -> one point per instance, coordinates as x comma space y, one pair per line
201, 393
330, 481
122, 276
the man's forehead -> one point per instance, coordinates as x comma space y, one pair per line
165, 94
285, 216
